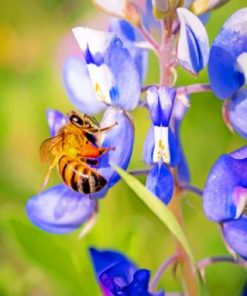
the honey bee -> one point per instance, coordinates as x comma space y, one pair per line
73, 150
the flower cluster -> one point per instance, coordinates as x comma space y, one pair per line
110, 77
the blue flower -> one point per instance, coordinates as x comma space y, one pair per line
161, 148
225, 198
193, 46
107, 75
62, 210
227, 65
117, 275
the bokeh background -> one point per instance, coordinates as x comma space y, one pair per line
35, 38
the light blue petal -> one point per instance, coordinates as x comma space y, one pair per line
193, 46
111, 68
225, 191
235, 234
226, 72
160, 182
121, 137
127, 85
79, 86
59, 209
238, 112
148, 147
129, 35
160, 103
55, 121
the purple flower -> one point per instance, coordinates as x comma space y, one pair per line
117, 275
62, 210
225, 198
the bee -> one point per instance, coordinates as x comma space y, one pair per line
74, 150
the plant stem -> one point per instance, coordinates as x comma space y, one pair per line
162, 268
149, 38
189, 187
188, 271
193, 88
202, 264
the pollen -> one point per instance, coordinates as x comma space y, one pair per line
99, 92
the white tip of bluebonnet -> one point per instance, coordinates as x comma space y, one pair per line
193, 45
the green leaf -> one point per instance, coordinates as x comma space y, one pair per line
164, 214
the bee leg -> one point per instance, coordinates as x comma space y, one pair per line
47, 177
107, 128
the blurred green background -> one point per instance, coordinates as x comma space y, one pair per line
34, 39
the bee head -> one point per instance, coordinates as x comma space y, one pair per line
83, 121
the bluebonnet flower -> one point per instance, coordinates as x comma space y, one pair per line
193, 46
117, 275
228, 70
225, 198
161, 147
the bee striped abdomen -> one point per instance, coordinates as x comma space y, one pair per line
79, 176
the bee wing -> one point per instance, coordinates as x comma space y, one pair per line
50, 148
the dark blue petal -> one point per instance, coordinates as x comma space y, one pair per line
104, 259
160, 182
238, 112
55, 121
225, 193
175, 149
226, 70
193, 46
79, 86
59, 209
121, 137
235, 234
160, 103
129, 35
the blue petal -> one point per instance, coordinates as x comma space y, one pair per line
160, 103
235, 234
59, 209
117, 275
226, 72
129, 35
104, 259
193, 46
112, 70
79, 86
225, 191
179, 111
148, 147
121, 137
238, 112
55, 121
160, 182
